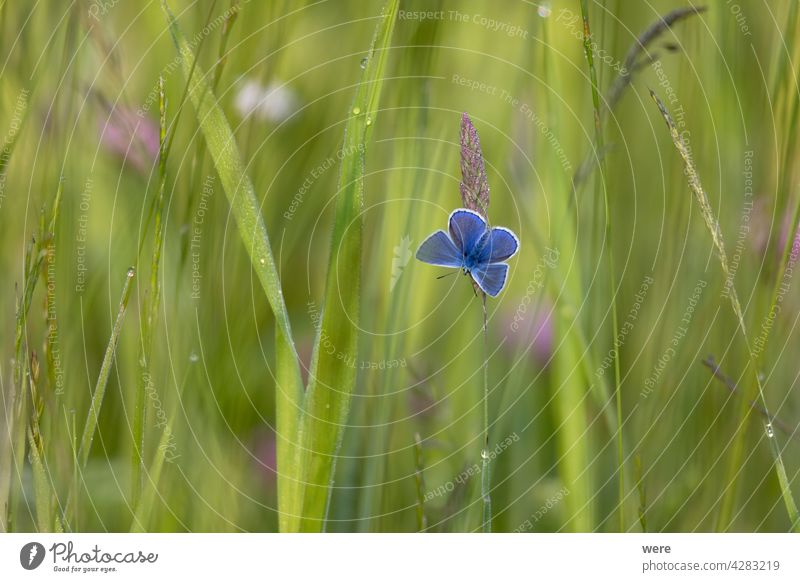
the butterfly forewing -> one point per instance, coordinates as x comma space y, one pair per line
500, 244
439, 250
466, 229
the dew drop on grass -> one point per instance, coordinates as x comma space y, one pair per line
131, 272
363, 63
193, 357
544, 10
356, 110
770, 432
484, 454
369, 121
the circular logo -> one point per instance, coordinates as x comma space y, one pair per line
31, 555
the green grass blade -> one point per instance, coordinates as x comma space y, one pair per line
246, 211
235, 182
601, 186
573, 371
41, 486
783, 480
105, 370
144, 507
151, 306
332, 377
289, 395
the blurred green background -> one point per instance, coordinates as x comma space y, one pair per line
79, 97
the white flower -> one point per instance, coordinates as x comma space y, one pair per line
274, 103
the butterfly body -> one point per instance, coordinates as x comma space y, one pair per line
472, 246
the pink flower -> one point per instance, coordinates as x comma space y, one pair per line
132, 138
532, 331
265, 455
764, 232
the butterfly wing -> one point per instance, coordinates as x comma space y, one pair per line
491, 277
499, 244
439, 250
466, 229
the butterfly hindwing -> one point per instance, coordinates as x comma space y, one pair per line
491, 278
439, 250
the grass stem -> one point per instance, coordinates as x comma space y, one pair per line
90, 427
588, 48
712, 224
486, 481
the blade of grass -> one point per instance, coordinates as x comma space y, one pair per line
164, 153
90, 427
573, 371
712, 224
332, 378
16, 405
221, 143
601, 185
199, 157
246, 211
151, 307
17, 430
486, 478
41, 484
144, 506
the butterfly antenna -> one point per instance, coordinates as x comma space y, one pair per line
445, 275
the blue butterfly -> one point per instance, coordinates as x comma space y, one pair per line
473, 247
